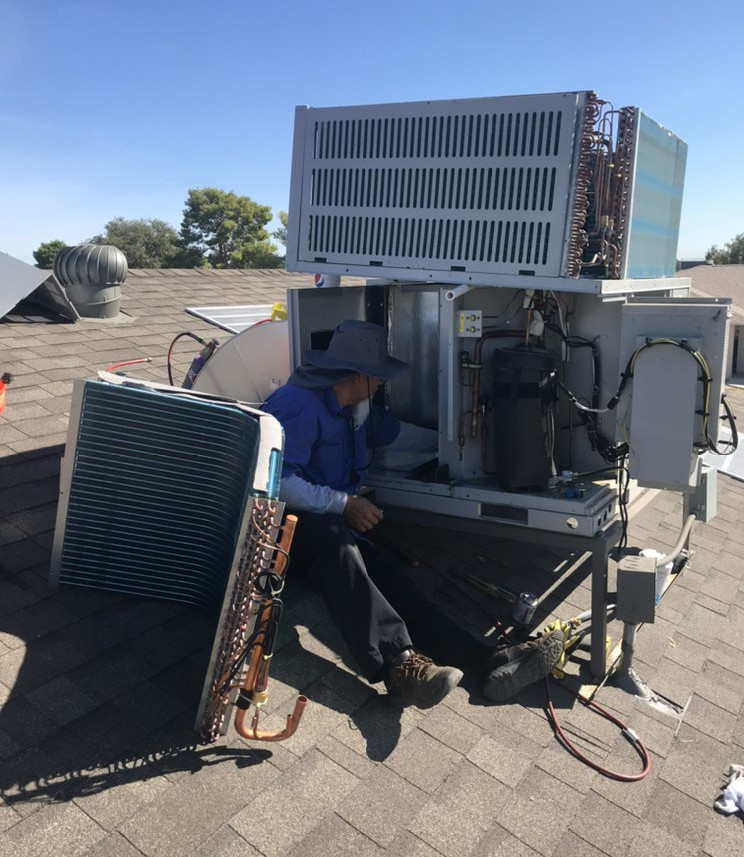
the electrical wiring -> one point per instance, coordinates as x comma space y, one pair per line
706, 379
614, 452
517, 294
561, 321
577, 404
734, 442
622, 502
610, 452
269, 585
264, 636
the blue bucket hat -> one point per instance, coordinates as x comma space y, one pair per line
358, 347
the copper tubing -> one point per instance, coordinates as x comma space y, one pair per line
255, 734
257, 675
284, 543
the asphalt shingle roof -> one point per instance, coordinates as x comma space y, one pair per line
99, 691
719, 281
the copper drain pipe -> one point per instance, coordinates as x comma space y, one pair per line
255, 734
254, 688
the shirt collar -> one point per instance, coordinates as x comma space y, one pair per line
331, 402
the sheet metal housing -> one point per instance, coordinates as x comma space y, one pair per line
471, 190
422, 325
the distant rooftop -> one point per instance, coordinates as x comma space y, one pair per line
719, 281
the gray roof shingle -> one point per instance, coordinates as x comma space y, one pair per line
99, 691
719, 281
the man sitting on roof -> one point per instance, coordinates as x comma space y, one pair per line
381, 614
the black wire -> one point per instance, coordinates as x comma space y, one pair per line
706, 380
609, 451
355, 471
267, 630
614, 452
271, 583
371, 429
622, 502
516, 295
734, 442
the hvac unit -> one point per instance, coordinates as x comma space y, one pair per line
478, 190
154, 489
167, 493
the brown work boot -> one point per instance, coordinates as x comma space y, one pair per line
419, 681
509, 670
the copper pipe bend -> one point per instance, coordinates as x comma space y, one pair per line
253, 733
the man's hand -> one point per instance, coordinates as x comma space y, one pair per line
360, 514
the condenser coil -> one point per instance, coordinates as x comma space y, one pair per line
473, 190
171, 494
154, 489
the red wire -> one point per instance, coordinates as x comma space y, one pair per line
634, 740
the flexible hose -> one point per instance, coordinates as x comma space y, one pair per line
128, 363
170, 350
574, 751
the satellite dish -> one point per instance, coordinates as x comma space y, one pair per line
250, 365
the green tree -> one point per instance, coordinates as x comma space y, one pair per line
228, 230
145, 243
731, 254
281, 233
45, 253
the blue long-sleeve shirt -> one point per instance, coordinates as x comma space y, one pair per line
326, 454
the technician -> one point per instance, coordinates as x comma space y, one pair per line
332, 432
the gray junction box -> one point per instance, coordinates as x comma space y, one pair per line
636, 589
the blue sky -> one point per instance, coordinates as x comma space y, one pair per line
115, 109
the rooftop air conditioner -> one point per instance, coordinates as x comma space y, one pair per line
171, 494
474, 190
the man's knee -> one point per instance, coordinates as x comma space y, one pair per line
312, 525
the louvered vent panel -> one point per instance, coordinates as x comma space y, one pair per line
480, 186
157, 495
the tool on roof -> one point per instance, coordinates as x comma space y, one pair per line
503, 593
